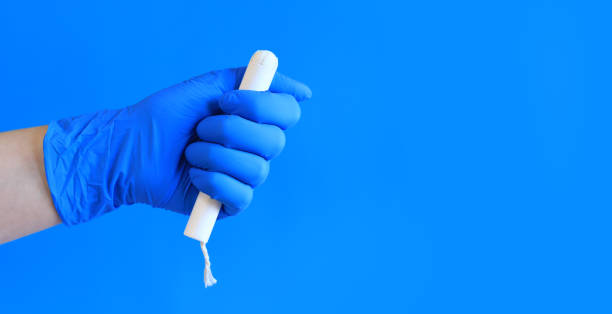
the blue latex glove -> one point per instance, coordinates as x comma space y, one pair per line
199, 135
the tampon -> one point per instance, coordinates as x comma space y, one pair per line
258, 77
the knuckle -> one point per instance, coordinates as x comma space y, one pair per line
244, 199
278, 143
295, 114
200, 128
262, 169
214, 184
227, 126
257, 110
290, 111
190, 152
199, 154
227, 103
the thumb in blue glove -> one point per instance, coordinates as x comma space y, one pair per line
199, 135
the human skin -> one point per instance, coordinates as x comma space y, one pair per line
26, 205
227, 160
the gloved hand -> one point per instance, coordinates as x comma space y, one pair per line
199, 135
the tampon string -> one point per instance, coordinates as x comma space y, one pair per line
257, 77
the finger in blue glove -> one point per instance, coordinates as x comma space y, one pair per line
98, 162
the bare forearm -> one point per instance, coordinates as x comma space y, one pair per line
25, 202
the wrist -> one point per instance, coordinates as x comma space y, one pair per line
79, 166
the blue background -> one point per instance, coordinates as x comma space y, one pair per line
455, 157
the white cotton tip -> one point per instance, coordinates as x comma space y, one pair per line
209, 280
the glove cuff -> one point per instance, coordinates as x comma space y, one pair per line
79, 166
